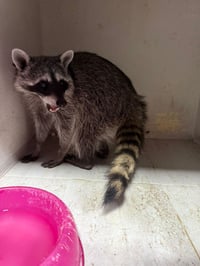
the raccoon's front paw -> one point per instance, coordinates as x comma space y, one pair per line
51, 163
29, 158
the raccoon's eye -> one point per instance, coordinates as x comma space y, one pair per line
43, 84
63, 84
40, 87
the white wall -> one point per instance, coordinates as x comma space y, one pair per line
19, 27
156, 42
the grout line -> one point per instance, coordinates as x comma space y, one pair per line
184, 228
173, 184
52, 178
188, 236
65, 178
167, 184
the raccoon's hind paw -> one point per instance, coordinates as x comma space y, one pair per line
51, 163
28, 158
103, 150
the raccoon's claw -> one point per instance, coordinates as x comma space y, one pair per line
51, 164
28, 158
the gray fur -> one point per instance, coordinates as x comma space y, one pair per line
100, 99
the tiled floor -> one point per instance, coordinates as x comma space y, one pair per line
159, 222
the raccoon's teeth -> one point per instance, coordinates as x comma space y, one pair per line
53, 110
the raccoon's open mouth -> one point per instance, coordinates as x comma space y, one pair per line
52, 109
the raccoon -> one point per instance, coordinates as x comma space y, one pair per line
90, 103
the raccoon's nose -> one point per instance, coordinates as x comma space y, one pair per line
61, 102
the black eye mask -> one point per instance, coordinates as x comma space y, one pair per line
47, 88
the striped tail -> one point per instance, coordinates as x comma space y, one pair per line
129, 139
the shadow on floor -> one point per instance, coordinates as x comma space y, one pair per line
161, 154
171, 155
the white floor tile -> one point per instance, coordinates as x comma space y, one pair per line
159, 222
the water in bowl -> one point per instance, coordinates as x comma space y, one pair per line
26, 238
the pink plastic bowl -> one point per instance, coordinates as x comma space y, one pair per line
36, 228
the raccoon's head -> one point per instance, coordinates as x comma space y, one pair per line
44, 76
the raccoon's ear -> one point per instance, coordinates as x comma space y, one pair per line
20, 58
67, 57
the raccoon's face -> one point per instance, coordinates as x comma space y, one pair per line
45, 76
